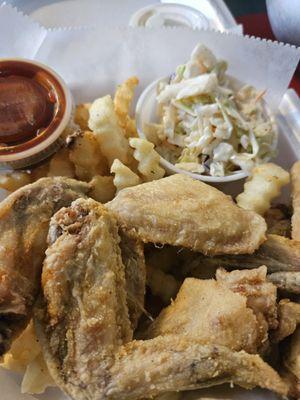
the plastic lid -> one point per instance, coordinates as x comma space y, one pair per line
169, 15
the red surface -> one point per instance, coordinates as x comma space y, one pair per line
258, 25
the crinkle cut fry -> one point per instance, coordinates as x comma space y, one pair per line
85, 330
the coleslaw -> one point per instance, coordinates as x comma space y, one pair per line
209, 124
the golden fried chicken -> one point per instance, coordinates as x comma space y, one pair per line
182, 211
261, 295
288, 317
83, 324
287, 281
277, 253
210, 312
24, 223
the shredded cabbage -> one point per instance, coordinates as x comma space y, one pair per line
213, 128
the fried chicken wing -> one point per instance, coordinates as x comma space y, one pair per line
277, 253
210, 312
181, 211
253, 284
288, 317
287, 281
24, 223
83, 324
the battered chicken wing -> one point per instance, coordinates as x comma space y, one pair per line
83, 324
287, 281
252, 283
24, 223
261, 297
212, 313
288, 317
182, 211
277, 253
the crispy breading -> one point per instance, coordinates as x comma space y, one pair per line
287, 281
277, 253
181, 211
24, 222
210, 312
85, 330
288, 317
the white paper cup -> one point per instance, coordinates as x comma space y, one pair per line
146, 112
158, 15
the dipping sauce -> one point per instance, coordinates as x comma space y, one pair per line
35, 107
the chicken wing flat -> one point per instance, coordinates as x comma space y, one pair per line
181, 211
83, 324
24, 223
277, 253
212, 313
295, 177
287, 281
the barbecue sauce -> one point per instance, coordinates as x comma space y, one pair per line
32, 105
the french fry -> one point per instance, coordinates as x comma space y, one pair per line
39, 172
103, 188
61, 165
87, 158
36, 378
122, 102
124, 177
82, 115
262, 187
23, 350
147, 158
161, 284
12, 181
103, 122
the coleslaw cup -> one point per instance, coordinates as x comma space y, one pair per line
146, 112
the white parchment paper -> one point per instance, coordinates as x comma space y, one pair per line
94, 60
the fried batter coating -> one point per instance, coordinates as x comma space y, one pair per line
210, 312
85, 330
24, 222
181, 211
